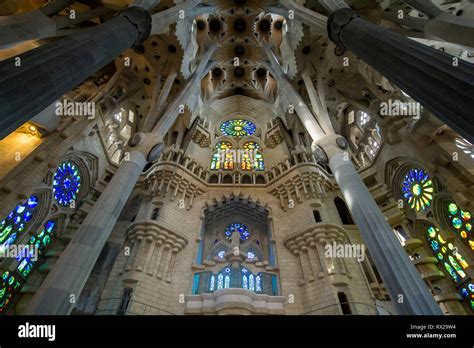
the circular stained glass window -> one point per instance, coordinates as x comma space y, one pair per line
238, 128
417, 189
66, 183
241, 228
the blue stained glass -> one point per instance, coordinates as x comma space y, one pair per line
213, 281
245, 284
221, 254
241, 228
417, 189
434, 245
27, 216
66, 183
258, 283
32, 202
220, 281
227, 282
39, 241
471, 287
464, 293
20, 209
250, 255
238, 128
251, 282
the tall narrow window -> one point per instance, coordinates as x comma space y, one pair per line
126, 297
223, 158
346, 309
155, 213
317, 216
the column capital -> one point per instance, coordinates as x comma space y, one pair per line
329, 146
336, 23
141, 19
148, 144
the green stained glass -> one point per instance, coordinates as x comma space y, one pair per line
238, 128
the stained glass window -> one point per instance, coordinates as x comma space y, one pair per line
66, 183
8, 285
251, 282
417, 189
221, 254
364, 118
220, 281
227, 281
238, 128
252, 154
27, 257
228, 276
213, 283
449, 257
467, 292
250, 255
16, 222
461, 222
222, 158
243, 230
258, 283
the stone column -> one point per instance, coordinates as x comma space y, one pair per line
73, 267
397, 271
35, 79
170, 115
443, 84
400, 277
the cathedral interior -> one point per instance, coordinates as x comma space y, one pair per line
245, 157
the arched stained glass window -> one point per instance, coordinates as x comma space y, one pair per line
220, 281
245, 282
222, 158
227, 281
238, 128
66, 183
8, 285
417, 189
212, 283
241, 228
252, 157
461, 222
27, 258
221, 254
251, 282
447, 254
258, 283
16, 222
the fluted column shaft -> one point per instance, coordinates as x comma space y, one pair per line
408, 292
441, 83
35, 79
71, 271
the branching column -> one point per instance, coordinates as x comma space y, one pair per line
72, 270
35, 79
441, 83
408, 292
